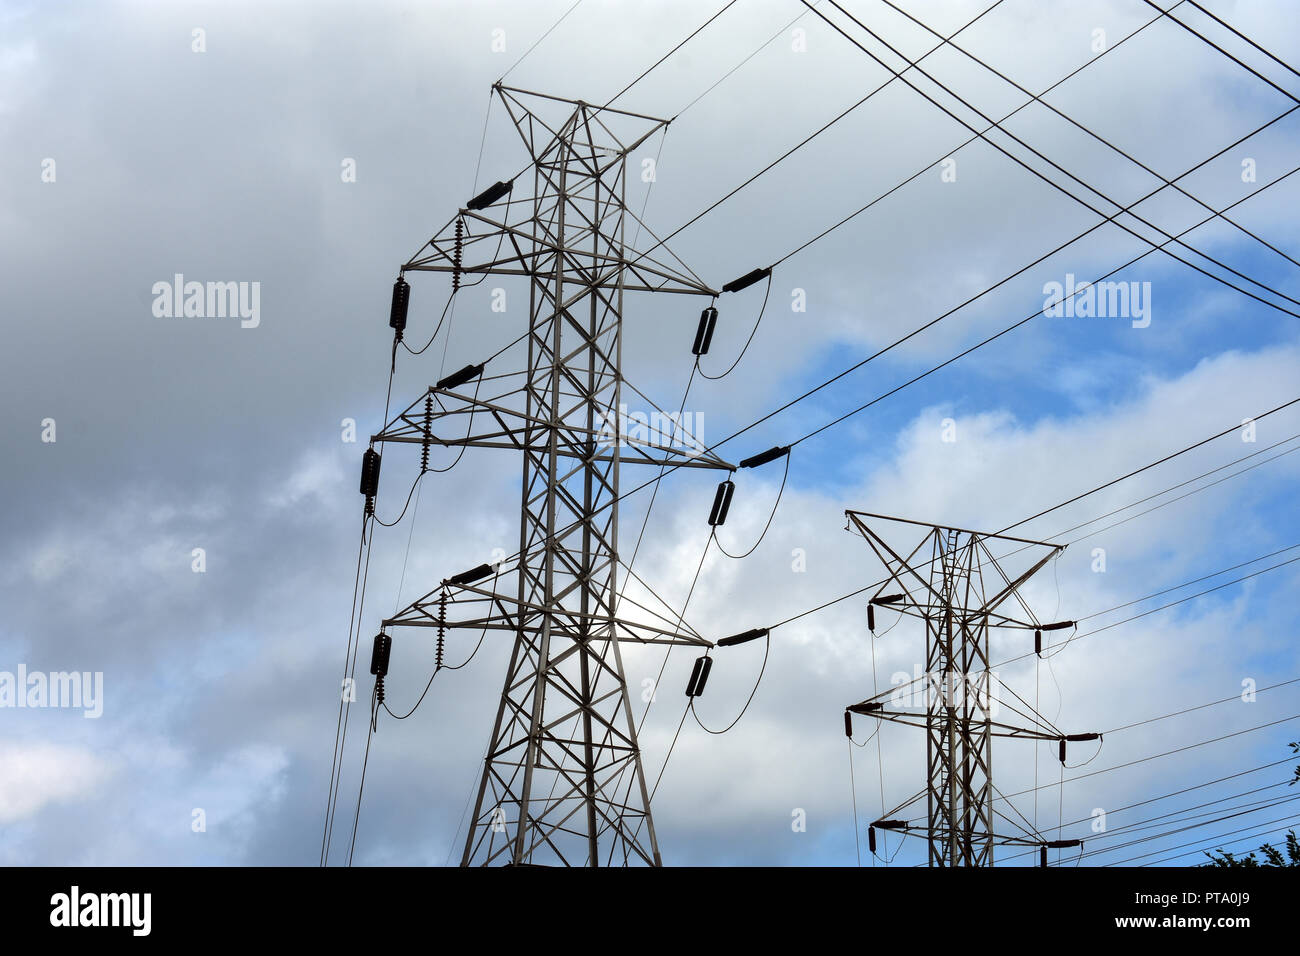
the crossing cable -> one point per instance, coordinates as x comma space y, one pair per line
1147, 823
672, 468
1255, 806
755, 53
1243, 36
862, 590
804, 142
656, 64
1237, 844
1058, 648
1269, 823
1167, 753
905, 338
920, 172
1146, 467
1045, 178
1169, 13
1105, 142
1128, 827
1213, 703
1165, 491
1238, 810
1163, 607
983, 342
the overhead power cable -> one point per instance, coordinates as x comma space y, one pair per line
1043, 176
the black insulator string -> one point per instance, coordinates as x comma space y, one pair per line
468, 431
752, 332
766, 527
767, 648
446, 667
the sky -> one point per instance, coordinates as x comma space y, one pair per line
184, 510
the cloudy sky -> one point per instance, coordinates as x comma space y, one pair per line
312, 148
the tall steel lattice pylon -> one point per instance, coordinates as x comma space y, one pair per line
962, 593
563, 781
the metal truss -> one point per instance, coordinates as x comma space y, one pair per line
954, 584
563, 781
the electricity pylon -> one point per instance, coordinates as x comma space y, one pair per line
563, 781
953, 583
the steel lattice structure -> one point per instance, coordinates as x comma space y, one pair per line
563, 781
954, 584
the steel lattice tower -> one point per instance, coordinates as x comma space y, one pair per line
961, 592
563, 781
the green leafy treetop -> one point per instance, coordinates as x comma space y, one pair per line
1272, 855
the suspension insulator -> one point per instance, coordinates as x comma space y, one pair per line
401, 302
871, 838
704, 333
379, 654
490, 195
848, 725
472, 575
442, 630
428, 432
456, 379
1042, 856
762, 458
1061, 750
370, 462
699, 676
721, 503
1038, 642
748, 279
871, 618
743, 638
456, 255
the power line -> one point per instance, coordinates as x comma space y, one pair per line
538, 41
1045, 178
